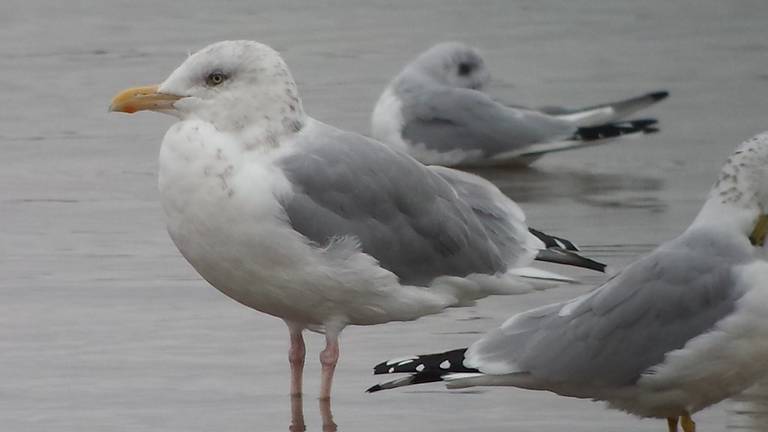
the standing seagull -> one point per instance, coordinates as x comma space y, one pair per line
321, 227
436, 110
678, 330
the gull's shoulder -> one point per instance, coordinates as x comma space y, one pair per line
319, 142
338, 161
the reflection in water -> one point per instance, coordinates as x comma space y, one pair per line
297, 415
327, 416
594, 189
749, 411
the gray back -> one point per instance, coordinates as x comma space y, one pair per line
408, 218
444, 119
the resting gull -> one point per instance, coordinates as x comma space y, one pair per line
321, 227
680, 329
436, 110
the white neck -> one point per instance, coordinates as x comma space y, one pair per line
726, 216
258, 122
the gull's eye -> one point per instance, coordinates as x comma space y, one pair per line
465, 69
215, 78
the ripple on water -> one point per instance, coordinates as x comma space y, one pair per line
749, 411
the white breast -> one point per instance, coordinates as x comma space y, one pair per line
224, 216
387, 120
387, 124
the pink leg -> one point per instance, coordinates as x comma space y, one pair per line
328, 359
296, 358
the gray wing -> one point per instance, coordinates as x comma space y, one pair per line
501, 217
614, 334
452, 119
402, 214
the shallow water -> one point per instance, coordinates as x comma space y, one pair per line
749, 411
103, 326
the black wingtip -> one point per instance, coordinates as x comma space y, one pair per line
566, 257
423, 369
381, 368
659, 95
595, 265
642, 123
552, 241
591, 264
616, 129
374, 389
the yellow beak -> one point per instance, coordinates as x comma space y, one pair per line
142, 98
759, 232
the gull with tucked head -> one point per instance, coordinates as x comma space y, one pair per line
678, 330
317, 226
436, 110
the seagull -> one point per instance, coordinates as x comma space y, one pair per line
321, 227
678, 330
437, 111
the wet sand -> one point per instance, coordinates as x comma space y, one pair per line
104, 327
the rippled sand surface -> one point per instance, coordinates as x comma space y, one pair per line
104, 327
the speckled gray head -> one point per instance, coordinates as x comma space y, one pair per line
453, 64
739, 197
744, 177
233, 84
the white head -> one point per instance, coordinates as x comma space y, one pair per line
453, 64
739, 197
232, 84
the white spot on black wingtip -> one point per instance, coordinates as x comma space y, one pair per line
420, 368
445, 364
391, 370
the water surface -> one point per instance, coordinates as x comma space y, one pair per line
104, 327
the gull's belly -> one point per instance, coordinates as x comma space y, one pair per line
250, 256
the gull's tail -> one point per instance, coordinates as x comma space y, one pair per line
562, 251
587, 136
424, 369
608, 112
596, 125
